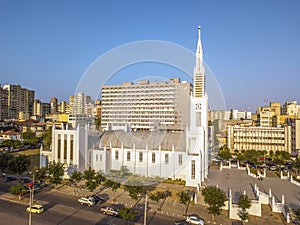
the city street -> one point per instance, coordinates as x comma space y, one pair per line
65, 209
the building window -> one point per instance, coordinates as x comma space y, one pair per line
100, 158
97, 157
193, 169
166, 158
128, 156
153, 157
71, 150
58, 149
65, 148
116, 155
180, 160
198, 119
141, 157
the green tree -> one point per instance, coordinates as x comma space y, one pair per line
183, 197
5, 158
11, 143
40, 173
160, 195
215, 198
47, 139
90, 179
296, 164
89, 174
19, 164
297, 213
30, 138
18, 189
127, 214
224, 153
55, 172
240, 157
76, 176
112, 185
100, 178
244, 203
135, 188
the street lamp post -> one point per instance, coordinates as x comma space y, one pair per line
31, 196
145, 212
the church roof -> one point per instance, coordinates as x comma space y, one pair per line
140, 139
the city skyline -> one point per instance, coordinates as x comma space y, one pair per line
251, 47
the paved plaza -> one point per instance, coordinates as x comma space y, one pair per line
238, 181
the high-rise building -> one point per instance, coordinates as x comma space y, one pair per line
291, 108
45, 109
20, 100
79, 104
37, 111
146, 105
64, 107
53, 105
3, 104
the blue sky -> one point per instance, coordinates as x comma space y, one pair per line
253, 47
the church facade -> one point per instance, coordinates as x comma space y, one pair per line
180, 154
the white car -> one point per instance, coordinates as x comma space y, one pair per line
87, 201
194, 219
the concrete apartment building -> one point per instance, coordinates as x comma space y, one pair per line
146, 105
3, 104
20, 101
259, 138
169, 152
79, 104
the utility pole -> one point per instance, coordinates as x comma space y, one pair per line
145, 212
30, 203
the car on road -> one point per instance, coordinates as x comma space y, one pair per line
35, 209
87, 201
9, 178
109, 210
195, 219
25, 180
98, 199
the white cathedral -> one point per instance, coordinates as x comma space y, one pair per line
176, 155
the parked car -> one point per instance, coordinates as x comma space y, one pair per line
35, 209
9, 178
25, 180
87, 201
98, 199
195, 219
109, 210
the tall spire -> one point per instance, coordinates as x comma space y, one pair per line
199, 46
199, 52
199, 72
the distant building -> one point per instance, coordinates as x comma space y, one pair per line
63, 107
291, 108
20, 100
266, 114
295, 135
80, 103
259, 138
3, 104
53, 105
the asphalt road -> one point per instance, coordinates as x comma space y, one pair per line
64, 209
